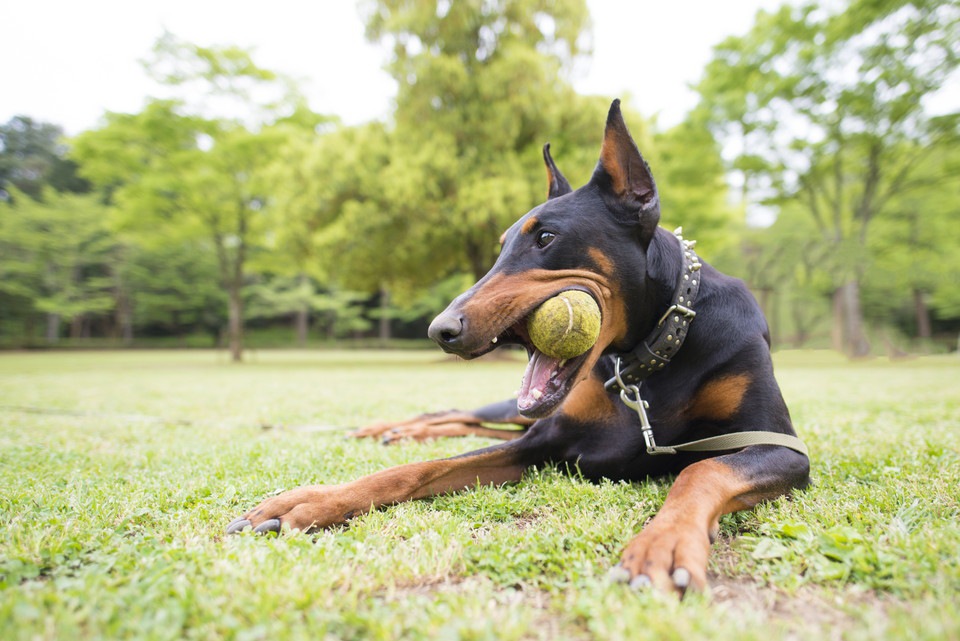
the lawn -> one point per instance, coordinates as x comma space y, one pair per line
119, 471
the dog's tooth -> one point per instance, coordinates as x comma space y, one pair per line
562, 363
536, 394
494, 340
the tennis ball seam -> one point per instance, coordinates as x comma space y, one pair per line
566, 302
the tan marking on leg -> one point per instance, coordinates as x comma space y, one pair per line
721, 398
425, 432
379, 428
421, 480
319, 506
679, 535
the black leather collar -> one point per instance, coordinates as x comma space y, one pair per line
666, 339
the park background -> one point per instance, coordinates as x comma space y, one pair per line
207, 199
814, 155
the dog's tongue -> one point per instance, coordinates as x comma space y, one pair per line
535, 380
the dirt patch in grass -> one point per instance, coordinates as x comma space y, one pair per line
526, 520
832, 611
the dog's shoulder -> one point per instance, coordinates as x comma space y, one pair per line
727, 311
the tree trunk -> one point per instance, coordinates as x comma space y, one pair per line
301, 322
127, 328
837, 337
235, 324
768, 303
301, 319
922, 313
799, 323
124, 319
29, 326
384, 330
123, 314
76, 326
53, 328
765, 301
857, 345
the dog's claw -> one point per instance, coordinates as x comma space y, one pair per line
681, 578
640, 582
272, 525
237, 525
618, 574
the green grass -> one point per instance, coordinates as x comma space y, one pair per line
119, 470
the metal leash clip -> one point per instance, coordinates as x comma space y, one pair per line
640, 406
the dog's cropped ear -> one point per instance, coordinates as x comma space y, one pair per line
557, 185
624, 177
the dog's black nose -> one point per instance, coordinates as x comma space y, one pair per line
447, 330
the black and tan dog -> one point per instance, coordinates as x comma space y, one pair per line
690, 340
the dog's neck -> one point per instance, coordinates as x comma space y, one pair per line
673, 283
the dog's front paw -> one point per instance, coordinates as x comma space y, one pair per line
670, 554
305, 508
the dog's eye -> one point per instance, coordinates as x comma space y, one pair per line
544, 238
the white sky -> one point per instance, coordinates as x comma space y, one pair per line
68, 61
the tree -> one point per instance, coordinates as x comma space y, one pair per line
174, 169
56, 257
691, 179
914, 251
170, 287
326, 202
829, 110
478, 95
32, 158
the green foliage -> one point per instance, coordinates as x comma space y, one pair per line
190, 177
325, 205
828, 108
913, 249
478, 95
32, 159
230, 191
56, 255
400, 209
336, 313
221, 82
691, 179
173, 287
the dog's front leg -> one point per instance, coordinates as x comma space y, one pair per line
672, 550
318, 506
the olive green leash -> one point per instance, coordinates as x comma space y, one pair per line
630, 395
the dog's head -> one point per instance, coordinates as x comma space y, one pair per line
594, 239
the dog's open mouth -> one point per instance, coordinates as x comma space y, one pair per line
546, 383
547, 380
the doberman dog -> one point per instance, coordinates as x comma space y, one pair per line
584, 413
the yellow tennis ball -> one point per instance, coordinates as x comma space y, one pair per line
566, 325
